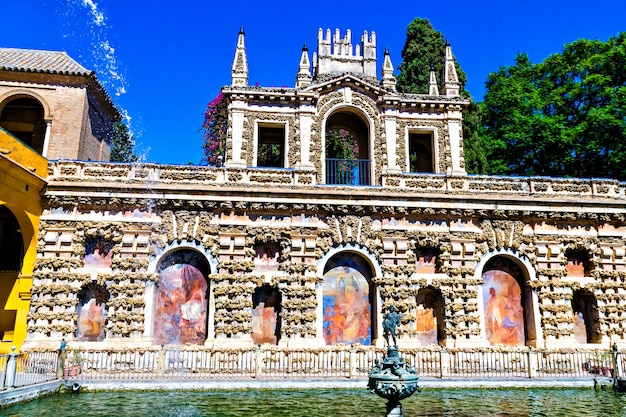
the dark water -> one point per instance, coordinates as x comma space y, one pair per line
331, 402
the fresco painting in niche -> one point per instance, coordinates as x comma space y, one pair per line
426, 259
91, 313
265, 316
98, 253
346, 304
181, 306
266, 258
580, 328
504, 318
425, 319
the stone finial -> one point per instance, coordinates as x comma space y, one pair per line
388, 81
450, 78
239, 71
303, 78
433, 88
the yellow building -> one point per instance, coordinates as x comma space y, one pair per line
22, 178
51, 107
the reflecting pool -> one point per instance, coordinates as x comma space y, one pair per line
329, 402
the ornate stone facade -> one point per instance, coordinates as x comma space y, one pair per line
222, 254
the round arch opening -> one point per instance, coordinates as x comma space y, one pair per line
508, 303
182, 298
348, 300
23, 117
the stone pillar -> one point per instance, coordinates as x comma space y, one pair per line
46, 139
454, 136
237, 117
391, 138
306, 121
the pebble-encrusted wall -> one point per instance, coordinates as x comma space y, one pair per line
389, 237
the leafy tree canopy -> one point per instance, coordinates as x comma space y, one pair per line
424, 47
122, 144
565, 116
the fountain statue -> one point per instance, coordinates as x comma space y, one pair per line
392, 378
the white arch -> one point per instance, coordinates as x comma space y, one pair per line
531, 275
345, 106
376, 272
150, 294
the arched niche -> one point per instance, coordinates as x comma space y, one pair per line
266, 308
429, 316
579, 262
348, 300
91, 313
182, 292
585, 317
508, 302
23, 116
98, 252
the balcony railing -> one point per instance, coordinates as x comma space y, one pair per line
348, 171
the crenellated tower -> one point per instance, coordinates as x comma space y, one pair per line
337, 55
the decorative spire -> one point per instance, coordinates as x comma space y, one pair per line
388, 81
303, 78
450, 79
433, 89
239, 71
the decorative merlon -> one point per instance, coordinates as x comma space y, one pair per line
433, 89
239, 71
303, 78
450, 78
389, 81
336, 54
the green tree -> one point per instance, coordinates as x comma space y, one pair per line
122, 144
425, 47
565, 116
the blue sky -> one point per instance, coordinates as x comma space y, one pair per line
163, 61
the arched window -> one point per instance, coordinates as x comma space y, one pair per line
266, 302
585, 316
347, 149
508, 308
23, 117
348, 300
181, 304
91, 324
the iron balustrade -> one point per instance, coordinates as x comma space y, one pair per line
348, 171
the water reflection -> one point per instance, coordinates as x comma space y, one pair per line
333, 402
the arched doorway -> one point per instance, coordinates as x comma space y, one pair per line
348, 300
23, 117
11, 258
508, 306
347, 149
585, 316
181, 298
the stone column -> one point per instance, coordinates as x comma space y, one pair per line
237, 118
454, 136
46, 139
306, 121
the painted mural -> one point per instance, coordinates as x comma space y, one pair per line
426, 325
98, 253
504, 317
265, 316
181, 307
580, 328
266, 258
346, 303
91, 320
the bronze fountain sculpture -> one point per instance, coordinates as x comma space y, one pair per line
392, 378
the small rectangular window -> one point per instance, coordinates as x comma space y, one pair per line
421, 152
271, 148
